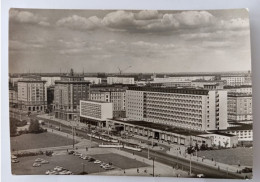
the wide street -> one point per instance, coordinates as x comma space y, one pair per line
160, 156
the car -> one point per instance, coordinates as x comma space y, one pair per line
14, 161
102, 164
97, 162
77, 154
108, 167
13, 157
44, 162
53, 172
247, 170
71, 152
85, 158
48, 172
58, 168
200, 176
38, 160
91, 159
68, 172
36, 164
63, 172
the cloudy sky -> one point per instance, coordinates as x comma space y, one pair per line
148, 41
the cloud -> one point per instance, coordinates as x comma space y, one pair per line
79, 22
27, 17
147, 15
18, 45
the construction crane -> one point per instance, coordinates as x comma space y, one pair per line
122, 70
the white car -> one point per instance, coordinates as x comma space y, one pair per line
44, 162
13, 157
200, 175
14, 161
36, 164
58, 168
38, 160
97, 162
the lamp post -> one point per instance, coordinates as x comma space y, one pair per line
153, 166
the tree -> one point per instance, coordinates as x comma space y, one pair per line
34, 126
226, 144
13, 128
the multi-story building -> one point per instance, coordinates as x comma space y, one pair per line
238, 80
13, 98
67, 93
240, 107
244, 132
93, 80
32, 94
50, 98
50, 80
120, 80
95, 112
222, 139
110, 93
194, 109
171, 84
208, 84
247, 89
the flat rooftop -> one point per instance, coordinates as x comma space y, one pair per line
194, 91
162, 127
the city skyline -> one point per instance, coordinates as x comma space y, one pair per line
162, 41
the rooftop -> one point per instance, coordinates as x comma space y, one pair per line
162, 127
195, 91
96, 101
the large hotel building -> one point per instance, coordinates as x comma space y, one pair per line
194, 109
32, 94
67, 94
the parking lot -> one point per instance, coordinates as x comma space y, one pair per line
73, 163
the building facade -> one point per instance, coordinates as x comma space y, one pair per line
240, 107
238, 80
120, 80
111, 93
95, 112
67, 95
32, 94
222, 139
194, 109
93, 80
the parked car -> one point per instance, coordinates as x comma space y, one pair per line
71, 152
14, 161
58, 168
38, 160
44, 162
97, 162
13, 157
200, 176
247, 170
91, 159
36, 164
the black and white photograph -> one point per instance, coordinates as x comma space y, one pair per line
155, 93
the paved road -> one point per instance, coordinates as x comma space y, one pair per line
197, 168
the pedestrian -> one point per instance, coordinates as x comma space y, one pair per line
124, 171
137, 170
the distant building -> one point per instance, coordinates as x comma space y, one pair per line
120, 80
13, 98
237, 80
50, 80
93, 80
246, 89
222, 139
240, 107
170, 84
95, 112
111, 93
244, 132
67, 93
194, 109
32, 94
182, 78
208, 84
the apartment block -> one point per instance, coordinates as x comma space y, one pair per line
32, 94
194, 109
240, 107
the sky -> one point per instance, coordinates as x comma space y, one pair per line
138, 41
